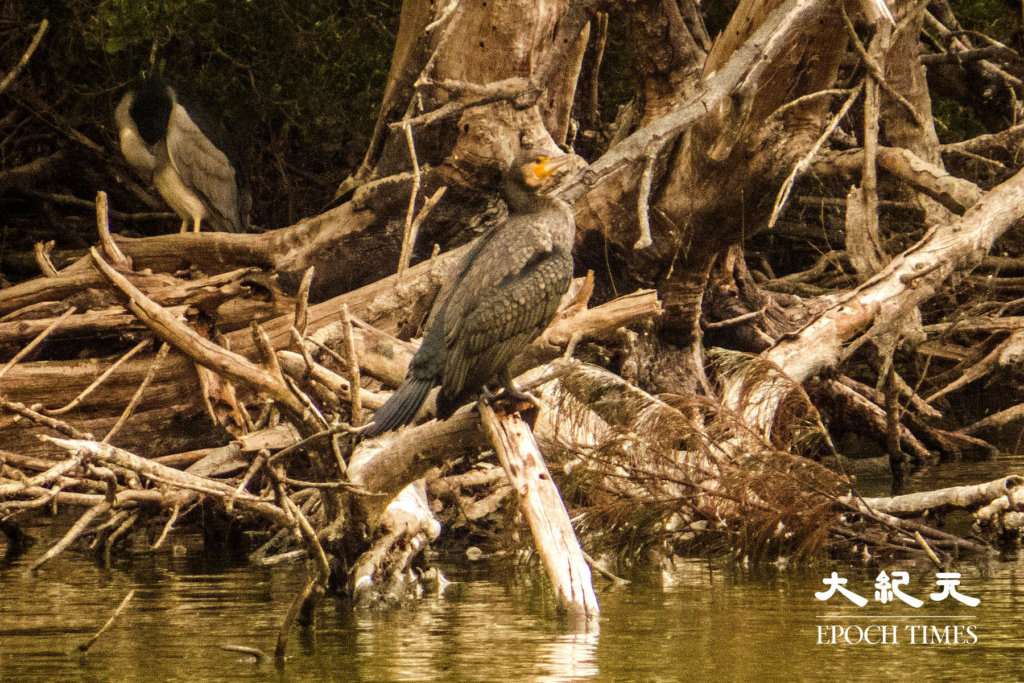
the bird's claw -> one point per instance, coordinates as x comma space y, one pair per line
513, 397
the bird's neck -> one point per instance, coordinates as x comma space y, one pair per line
520, 200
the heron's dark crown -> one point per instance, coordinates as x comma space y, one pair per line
150, 109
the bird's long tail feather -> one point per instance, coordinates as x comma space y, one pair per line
401, 408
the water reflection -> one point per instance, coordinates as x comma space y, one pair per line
712, 623
571, 657
709, 622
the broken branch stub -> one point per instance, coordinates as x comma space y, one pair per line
546, 513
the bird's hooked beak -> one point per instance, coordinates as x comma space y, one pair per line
544, 174
547, 167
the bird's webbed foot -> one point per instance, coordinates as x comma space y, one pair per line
511, 393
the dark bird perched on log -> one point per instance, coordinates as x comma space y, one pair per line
500, 298
183, 153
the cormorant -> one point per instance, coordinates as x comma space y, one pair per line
174, 146
500, 298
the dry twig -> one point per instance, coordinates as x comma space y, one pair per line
161, 355
9, 78
353, 368
84, 647
787, 186
37, 341
302, 301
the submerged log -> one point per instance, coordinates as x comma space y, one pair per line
406, 527
545, 511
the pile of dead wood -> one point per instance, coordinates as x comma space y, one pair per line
164, 363
115, 433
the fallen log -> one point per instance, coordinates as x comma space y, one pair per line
204, 352
110, 322
911, 278
910, 528
855, 411
962, 497
383, 304
388, 464
174, 391
545, 511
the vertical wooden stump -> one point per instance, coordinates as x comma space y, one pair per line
545, 511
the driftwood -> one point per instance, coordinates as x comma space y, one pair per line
84, 647
377, 475
406, 527
544, 510
963, 497
168, 475
883, 302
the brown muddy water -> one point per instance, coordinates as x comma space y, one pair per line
701, 622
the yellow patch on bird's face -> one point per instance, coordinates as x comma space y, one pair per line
536, 173
540, 168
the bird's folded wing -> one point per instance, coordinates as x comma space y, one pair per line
201, 166
494, 322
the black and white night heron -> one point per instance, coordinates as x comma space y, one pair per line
173, 145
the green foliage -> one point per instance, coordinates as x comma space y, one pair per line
991, 17
297, 84
955, 122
